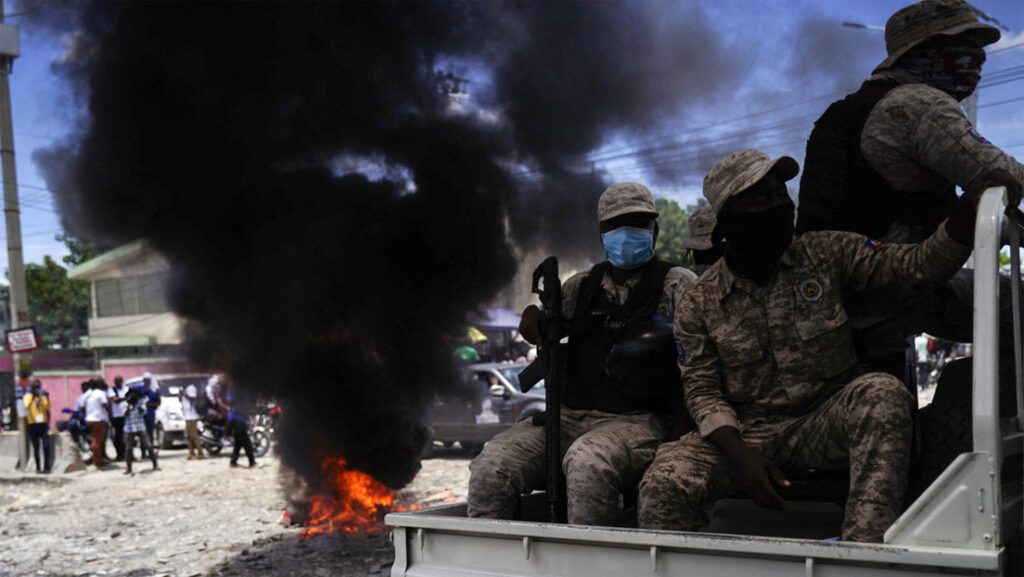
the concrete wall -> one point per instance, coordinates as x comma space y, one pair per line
64, 387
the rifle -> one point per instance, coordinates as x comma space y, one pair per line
552, 366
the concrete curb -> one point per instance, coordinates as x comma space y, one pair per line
66, 457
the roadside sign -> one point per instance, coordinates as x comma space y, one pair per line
21, 340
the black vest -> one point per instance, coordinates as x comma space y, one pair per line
840, 191
597, 325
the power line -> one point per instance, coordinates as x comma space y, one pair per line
1018, 99
1005, 48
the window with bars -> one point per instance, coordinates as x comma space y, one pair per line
134, 295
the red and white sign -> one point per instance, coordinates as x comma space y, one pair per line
22, 340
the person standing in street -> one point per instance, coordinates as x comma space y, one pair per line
189, 399
135, 429
118, 406
152, 403
238, 428
37, 402
97, 411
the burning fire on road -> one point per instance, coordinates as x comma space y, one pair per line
356, 502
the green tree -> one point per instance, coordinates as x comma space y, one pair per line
58, 307
673, 226
81, 250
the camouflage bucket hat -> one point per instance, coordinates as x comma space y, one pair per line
741, 170
702, 223
914, 24
625, 198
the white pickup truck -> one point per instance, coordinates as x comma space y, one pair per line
967, 522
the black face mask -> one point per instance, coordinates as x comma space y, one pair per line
756, 241
955, 68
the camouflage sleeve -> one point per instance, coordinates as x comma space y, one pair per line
699, 368
918, 127
868, 264
570, 292
677, 282
947, 143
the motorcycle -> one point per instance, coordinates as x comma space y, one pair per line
75, 425
213, 437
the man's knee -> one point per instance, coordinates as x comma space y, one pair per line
674, 488
882, 392
507, 467
591, 459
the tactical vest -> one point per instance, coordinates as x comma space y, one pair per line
599, 324
839, 190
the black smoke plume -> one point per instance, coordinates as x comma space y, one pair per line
329, 216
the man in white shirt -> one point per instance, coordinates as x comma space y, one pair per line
97, 410
191, 414
117, 396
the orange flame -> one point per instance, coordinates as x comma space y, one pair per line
357, 503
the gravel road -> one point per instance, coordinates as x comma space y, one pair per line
190, 519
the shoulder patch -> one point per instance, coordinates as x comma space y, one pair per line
969, 129
680, 353
874, 244
810, 290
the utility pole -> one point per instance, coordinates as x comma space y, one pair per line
10, 49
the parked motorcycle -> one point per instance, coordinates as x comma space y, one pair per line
75, 425
213, 438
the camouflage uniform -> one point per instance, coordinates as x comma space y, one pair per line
776, 363
602, 452
917, 138
702, 227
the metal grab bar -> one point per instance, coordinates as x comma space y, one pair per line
987, 243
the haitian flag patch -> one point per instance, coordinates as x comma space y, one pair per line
969, 128
874, 244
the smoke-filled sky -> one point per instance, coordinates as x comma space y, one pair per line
331, 216
792, 53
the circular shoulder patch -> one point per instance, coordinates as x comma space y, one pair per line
810, 290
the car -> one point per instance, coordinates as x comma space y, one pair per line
170, 422
486, 401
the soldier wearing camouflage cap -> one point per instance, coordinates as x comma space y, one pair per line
704, 246
619, 402
768, 364
886, 160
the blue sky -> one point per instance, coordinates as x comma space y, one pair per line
796, 58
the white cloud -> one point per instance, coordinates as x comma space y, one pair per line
1008, 39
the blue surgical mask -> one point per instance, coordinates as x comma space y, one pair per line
629, 247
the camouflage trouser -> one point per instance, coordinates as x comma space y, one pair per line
865, 426
602, 453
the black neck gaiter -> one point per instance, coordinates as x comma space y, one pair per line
954, 69
757, 240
